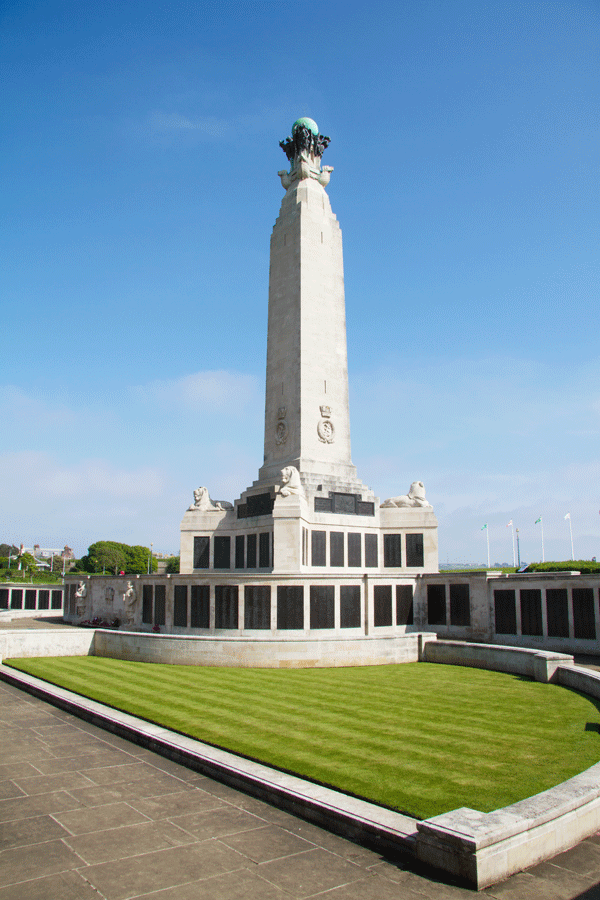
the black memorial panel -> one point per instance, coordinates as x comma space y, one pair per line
257, 606
200, 606
323, 504
392, 551
201, 552
44, 599
531, 611
222, 551
382, 605
256, 505
321, 606
414, 550
16, 599
30, 599
147, 605
460, 605
354, 549
365, 508
371, 553
180, 612
159, 604
3, 598
264, 550
251, 544
557, 612
240, 551
505, 610
343, 504
336, 548
226, 606
57, 599
318, 547
404, 604
584, 625
436, 604
290, 607
350, 606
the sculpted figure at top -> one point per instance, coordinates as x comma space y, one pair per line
290, 481
304, 150
129, 601
414, 498
203, 502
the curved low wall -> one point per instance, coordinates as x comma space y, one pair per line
29, 642
541, 665
200, 650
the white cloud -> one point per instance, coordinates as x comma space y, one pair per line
32, 411
212, 391
210, 126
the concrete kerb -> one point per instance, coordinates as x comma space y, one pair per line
478, 848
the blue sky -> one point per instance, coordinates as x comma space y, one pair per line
140, 181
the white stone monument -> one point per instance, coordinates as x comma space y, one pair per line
308, 512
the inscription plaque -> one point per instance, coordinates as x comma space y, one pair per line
290, 607
226, 606
557, 610
201, 552
321, 606
404, 604
200, 606
318, 539
436, 604
44, 599
147, 594
257, 606
354, 549
180, 606
159, 604
584, 625
505, 612
251, 543
350, 606
531, 611
336, 548
382, 605
256, 505
460, 605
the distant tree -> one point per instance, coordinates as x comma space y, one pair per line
27, 562
172, 565
5, 549
111, 556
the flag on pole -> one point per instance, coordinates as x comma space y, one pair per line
484, 527
568, 516
537, 520
508, 524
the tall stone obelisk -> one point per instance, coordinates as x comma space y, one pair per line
307, 420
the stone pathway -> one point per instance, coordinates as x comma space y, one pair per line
85, 814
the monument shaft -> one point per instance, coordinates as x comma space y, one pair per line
307, 421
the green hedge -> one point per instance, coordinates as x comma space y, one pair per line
585, 566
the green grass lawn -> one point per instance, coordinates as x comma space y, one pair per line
422, 738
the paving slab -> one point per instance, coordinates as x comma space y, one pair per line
169, 833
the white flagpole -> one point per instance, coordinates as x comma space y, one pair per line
542, 527
512, 530
487, 534
568, 516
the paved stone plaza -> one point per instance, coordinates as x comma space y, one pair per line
85, 814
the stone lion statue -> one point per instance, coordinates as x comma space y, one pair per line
290, 481
414, 498
203, 503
